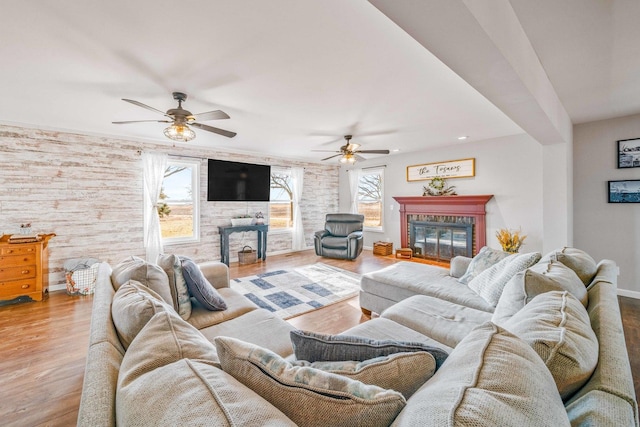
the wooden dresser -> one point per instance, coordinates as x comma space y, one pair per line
24, 269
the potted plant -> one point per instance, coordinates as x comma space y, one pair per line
259, 217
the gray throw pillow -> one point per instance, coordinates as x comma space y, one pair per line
490, 283
151, 275
180, 292
483, 260
314, 347
200, 288
577, 260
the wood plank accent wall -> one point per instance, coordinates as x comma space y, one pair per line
88, 190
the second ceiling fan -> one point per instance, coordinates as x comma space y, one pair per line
350, 152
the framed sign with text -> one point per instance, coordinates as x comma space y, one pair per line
451, 169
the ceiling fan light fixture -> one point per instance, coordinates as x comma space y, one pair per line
179, 132
348, 158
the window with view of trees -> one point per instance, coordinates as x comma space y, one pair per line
178, 202
370, 197
280, 200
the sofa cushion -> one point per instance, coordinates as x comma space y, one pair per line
402, 372
484, 259
180, 292
133, 306
542, 277
314, 347
405, 279
558, 328
151, 275
200, 288
577, 260
308, 396
490, 283
237, 305
169, 377
443, 321
492, 378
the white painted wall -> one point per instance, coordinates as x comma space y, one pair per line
602, 229
510, 168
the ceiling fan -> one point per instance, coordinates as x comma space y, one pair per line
181, 119
350, 152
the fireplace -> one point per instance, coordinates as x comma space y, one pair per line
451, 219
440, 241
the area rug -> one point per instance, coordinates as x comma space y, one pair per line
289, 293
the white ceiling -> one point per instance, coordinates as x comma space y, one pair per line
293, 75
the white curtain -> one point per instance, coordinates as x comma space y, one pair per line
354, 180
154, 167
298, 242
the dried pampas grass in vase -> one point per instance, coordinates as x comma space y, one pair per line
510, 240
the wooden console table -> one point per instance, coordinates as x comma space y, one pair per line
262, 230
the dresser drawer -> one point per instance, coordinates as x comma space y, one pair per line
17, 260
16, 287
17, 273
18, 249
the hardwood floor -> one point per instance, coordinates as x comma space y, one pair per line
44, 344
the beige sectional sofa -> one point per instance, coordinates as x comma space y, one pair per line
236, 367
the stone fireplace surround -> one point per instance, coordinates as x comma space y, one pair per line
470, 207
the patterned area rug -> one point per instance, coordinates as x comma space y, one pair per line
289, 293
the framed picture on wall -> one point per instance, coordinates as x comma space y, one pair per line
624, 191
629, 153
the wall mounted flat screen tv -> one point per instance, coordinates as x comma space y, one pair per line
238, 182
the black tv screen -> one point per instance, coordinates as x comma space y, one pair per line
238, 182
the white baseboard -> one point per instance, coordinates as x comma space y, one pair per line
629, 294
58, 287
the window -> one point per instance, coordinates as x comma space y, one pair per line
178, 203
280, 200
370, 197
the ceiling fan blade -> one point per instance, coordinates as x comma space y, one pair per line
211, 115
326, 151
141, 121
330, 157
373, 151
140, 104
222, 132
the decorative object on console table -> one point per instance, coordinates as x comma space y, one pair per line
24, 268
382, 248
404, 253
241, 220
259, 218
510, 240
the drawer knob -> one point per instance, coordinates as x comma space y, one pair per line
25, 271
25, 286
9, 251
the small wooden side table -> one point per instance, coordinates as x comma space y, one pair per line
404, 253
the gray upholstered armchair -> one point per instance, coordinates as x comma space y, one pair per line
341, 237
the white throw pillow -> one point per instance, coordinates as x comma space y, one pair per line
486, 258
490, 283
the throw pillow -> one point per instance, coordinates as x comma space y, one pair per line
484, 259
314, 347
490, 283
132, 307
542, 277
151, 275
170, 377
558, 328
308, 396
402, 372
577, 260
200, 288
181, 299
492, 378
